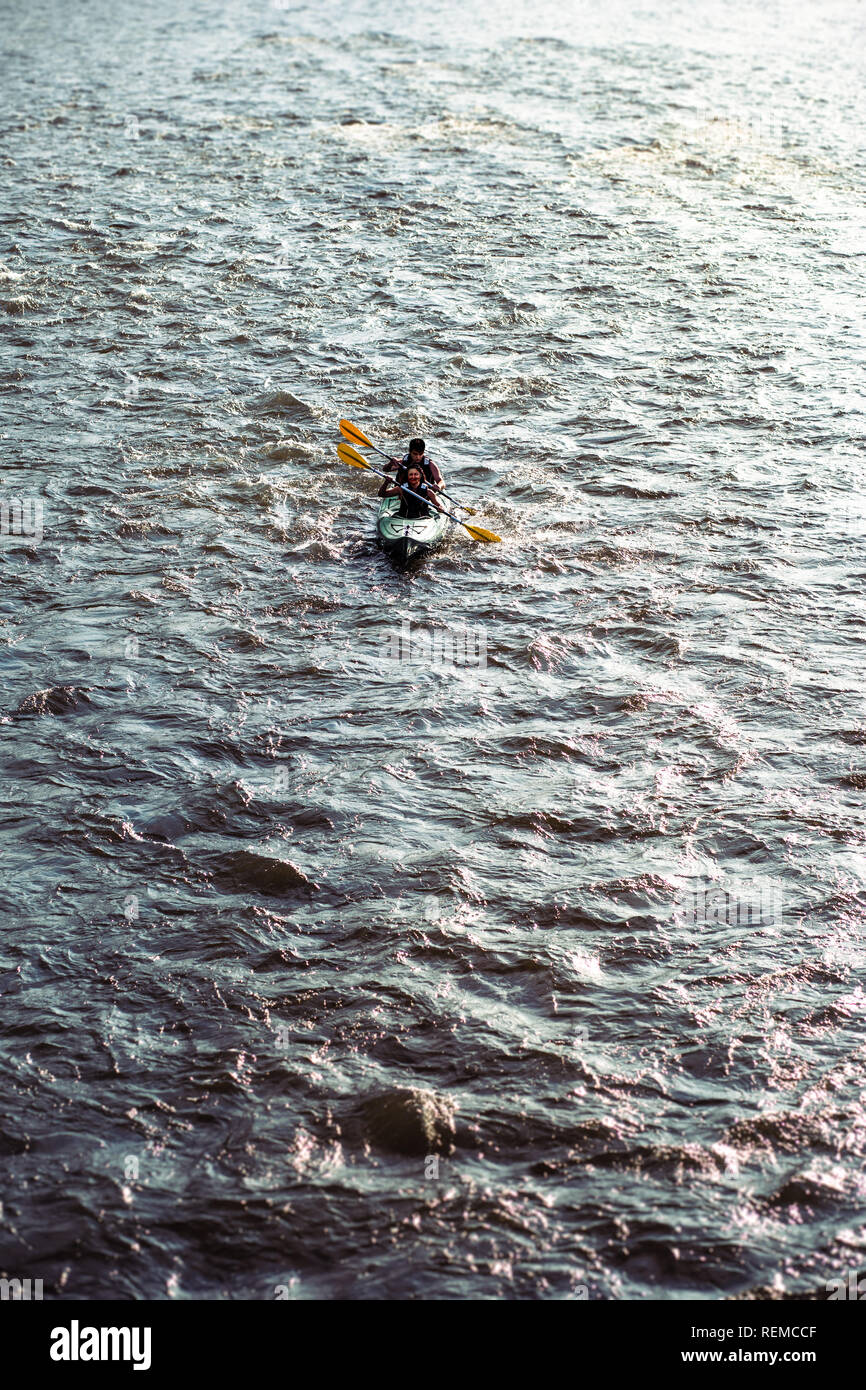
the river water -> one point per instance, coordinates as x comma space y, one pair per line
560, 841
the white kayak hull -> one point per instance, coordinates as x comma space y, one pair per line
404, 539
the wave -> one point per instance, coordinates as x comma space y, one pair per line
247, 870
56, 699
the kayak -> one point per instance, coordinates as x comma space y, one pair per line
403, 539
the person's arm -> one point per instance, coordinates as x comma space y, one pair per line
438, 480
390, 490
430, 500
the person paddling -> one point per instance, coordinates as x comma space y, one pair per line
415, 506
418, 456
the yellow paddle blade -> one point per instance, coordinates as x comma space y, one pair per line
478, 533
350, 431
351, 456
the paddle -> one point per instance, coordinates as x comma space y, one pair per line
352, 433
354, 460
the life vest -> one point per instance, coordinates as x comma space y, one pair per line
411, 505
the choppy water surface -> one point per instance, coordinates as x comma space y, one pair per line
597, 884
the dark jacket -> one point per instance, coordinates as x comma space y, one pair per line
403, 469
411, 506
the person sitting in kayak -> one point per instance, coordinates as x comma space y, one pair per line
420, 504
417, 455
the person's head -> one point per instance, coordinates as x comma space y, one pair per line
414, 476
416, 450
